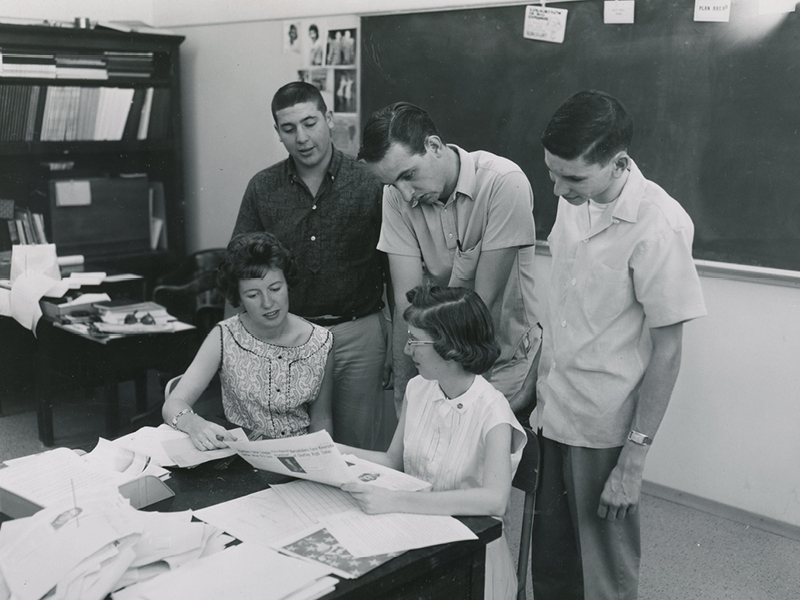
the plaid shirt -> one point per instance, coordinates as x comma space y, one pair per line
333, 235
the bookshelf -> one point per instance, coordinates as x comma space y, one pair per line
90, 137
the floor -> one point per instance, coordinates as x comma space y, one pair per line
687, 554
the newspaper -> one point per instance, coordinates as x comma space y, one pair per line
315, 457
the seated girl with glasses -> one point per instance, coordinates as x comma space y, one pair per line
456, 431
276, 369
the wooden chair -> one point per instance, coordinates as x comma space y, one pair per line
171, 384
527, 480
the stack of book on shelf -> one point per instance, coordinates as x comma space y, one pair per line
21, 226
18, 105
72, 65
138, 65
80, 66
27, 64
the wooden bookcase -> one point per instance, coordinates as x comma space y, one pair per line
28, 165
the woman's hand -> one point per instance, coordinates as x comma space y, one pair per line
373, 500
206, 435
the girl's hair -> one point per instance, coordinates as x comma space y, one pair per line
458, 322
250, 256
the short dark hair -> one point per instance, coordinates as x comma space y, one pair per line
297, 92
250, 256
313, 28
589, 124
459, 323
401, 122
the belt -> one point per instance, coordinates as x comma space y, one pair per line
331, 320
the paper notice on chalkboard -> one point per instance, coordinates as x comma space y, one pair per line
618, 12
772, 7
545, 24
717, 11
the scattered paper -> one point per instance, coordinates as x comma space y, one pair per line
148, 440
313, 502
367, 535
183, 453
129, 463
262, 517
244, 571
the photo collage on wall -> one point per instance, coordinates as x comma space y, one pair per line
328, 55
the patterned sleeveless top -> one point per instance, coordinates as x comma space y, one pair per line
266, 387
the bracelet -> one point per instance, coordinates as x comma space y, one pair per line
179, 415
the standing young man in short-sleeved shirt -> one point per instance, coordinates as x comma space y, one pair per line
460, 219
622, 284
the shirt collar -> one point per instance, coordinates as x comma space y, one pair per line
627, 204
466, 174
332, 170
461, 403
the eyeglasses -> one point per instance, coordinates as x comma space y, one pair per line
412, 342
147, 319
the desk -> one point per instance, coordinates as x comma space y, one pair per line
104, 361
448, 571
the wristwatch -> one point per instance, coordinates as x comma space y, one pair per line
639, 438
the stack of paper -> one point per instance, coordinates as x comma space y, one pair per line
244, 571
85, 551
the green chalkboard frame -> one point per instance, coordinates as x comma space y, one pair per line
716, 105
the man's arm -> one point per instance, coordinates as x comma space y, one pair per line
406, 272
621, 492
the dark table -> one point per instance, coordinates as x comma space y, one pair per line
88, 361
450, 571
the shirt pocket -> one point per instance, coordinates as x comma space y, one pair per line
608, 293
465, 263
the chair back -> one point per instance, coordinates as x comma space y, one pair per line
527, 480
190, 292
171, 384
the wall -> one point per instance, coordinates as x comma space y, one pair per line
67, 10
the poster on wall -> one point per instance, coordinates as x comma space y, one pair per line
326, 51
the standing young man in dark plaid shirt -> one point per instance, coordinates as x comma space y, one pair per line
326, 208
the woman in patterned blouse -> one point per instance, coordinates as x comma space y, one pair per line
276, 369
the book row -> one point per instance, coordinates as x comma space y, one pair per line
73, 113
63, 65
25, 228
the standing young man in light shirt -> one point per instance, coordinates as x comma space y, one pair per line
623, 282
457, 218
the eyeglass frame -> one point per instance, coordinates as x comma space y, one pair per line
413, 342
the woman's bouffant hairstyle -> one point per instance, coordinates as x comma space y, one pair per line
250, 256
458, 322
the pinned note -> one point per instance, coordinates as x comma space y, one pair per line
73, 193
772, 7
545, 24
718, 11
618, 12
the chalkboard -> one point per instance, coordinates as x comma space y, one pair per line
716, 106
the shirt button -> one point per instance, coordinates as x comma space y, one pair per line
459, 405
616, 221
313, 238
451, 235
563, 323
574, 281
554, 364
314, 207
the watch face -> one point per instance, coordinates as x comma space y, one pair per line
639, 438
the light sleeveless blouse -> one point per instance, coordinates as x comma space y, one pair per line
267, 388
